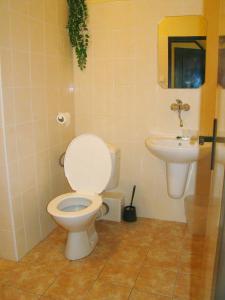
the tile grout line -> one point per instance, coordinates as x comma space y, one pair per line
139, 271
94, 282
178, 269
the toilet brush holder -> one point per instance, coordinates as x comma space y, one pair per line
129, 214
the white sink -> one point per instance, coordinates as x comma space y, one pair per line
171, 149
178, 155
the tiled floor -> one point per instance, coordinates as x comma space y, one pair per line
146, 260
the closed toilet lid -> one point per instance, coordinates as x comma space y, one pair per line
88, 164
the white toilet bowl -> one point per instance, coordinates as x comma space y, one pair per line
76, 212
88, 168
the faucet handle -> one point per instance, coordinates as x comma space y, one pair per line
186, 107
174, 106
179, 101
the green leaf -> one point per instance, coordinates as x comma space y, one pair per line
78, 30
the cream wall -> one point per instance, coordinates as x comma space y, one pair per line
118, 98
36, 67
7, 244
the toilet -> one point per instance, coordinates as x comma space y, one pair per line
91, 166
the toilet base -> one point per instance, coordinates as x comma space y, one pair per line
80, 244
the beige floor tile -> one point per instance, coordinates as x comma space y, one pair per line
171, 244
137, 239
47, 248
52, 266
6, 266
47, 255
129, 254
110, 229
108, 291
120, 273
163, 258
58, 236
156, 280
138, 295
31, 278
103, 250
76, 279
188, 287
169, 227
110, 235
138, 234
90, 267
70, 286
11, 293
109, 240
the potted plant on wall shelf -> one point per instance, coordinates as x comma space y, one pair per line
78, 30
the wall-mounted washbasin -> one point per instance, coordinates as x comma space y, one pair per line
176, 149
178, 153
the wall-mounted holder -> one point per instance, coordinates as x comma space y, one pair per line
63, 118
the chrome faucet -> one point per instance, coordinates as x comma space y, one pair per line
179, 107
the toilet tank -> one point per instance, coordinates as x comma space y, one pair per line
115, 157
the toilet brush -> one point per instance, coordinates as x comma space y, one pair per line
129, 212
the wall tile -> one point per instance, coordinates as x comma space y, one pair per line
31, 217
5, 219
4, 5
51, 11
36, 9
39, 105
21, 66
36, 32
11, 145
19, 28
9, 109
43, 168
21, 242
19, 6
41, 137
36, 72
22, 103
27, 168
5, 38
25, 140
6, 67
8, 251
14, 178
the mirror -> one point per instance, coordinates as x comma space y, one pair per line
181, 52
221, 63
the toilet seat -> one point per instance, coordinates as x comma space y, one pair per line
95, 203
88, 168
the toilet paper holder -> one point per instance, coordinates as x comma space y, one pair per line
63, 118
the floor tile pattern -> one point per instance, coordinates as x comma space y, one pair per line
146, 260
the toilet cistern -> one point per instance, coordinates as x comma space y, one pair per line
179, 107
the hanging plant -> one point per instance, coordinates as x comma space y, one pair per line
78, 30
